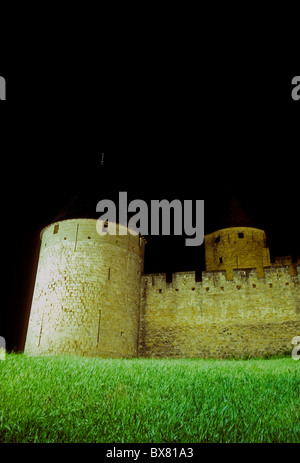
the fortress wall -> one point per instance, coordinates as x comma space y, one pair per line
217, 317
90, 298
287, 261
86, 297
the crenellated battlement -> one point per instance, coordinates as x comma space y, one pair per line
242, 279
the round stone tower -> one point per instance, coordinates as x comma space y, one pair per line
86, 298
238, 244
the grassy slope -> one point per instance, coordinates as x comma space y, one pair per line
73, 399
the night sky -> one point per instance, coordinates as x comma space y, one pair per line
175, 126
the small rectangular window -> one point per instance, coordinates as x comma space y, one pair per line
241, 235
56, 228
198, 275
221, 260
104, 226
217, 239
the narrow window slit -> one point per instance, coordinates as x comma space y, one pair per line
99, 322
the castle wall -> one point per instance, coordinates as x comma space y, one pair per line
87, 293
90, 298
217, 317
284, 261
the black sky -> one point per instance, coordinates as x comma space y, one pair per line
171, 126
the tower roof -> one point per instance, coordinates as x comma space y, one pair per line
83, 204
224, 210
234, 215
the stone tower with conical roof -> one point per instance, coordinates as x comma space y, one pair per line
86, 298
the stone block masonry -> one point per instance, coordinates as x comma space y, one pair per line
87, 294
236, 247
245, 316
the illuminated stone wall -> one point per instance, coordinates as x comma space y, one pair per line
91, 298
236, 247
87, 294
287, 261
218, 317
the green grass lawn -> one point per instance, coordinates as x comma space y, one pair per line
74, 399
